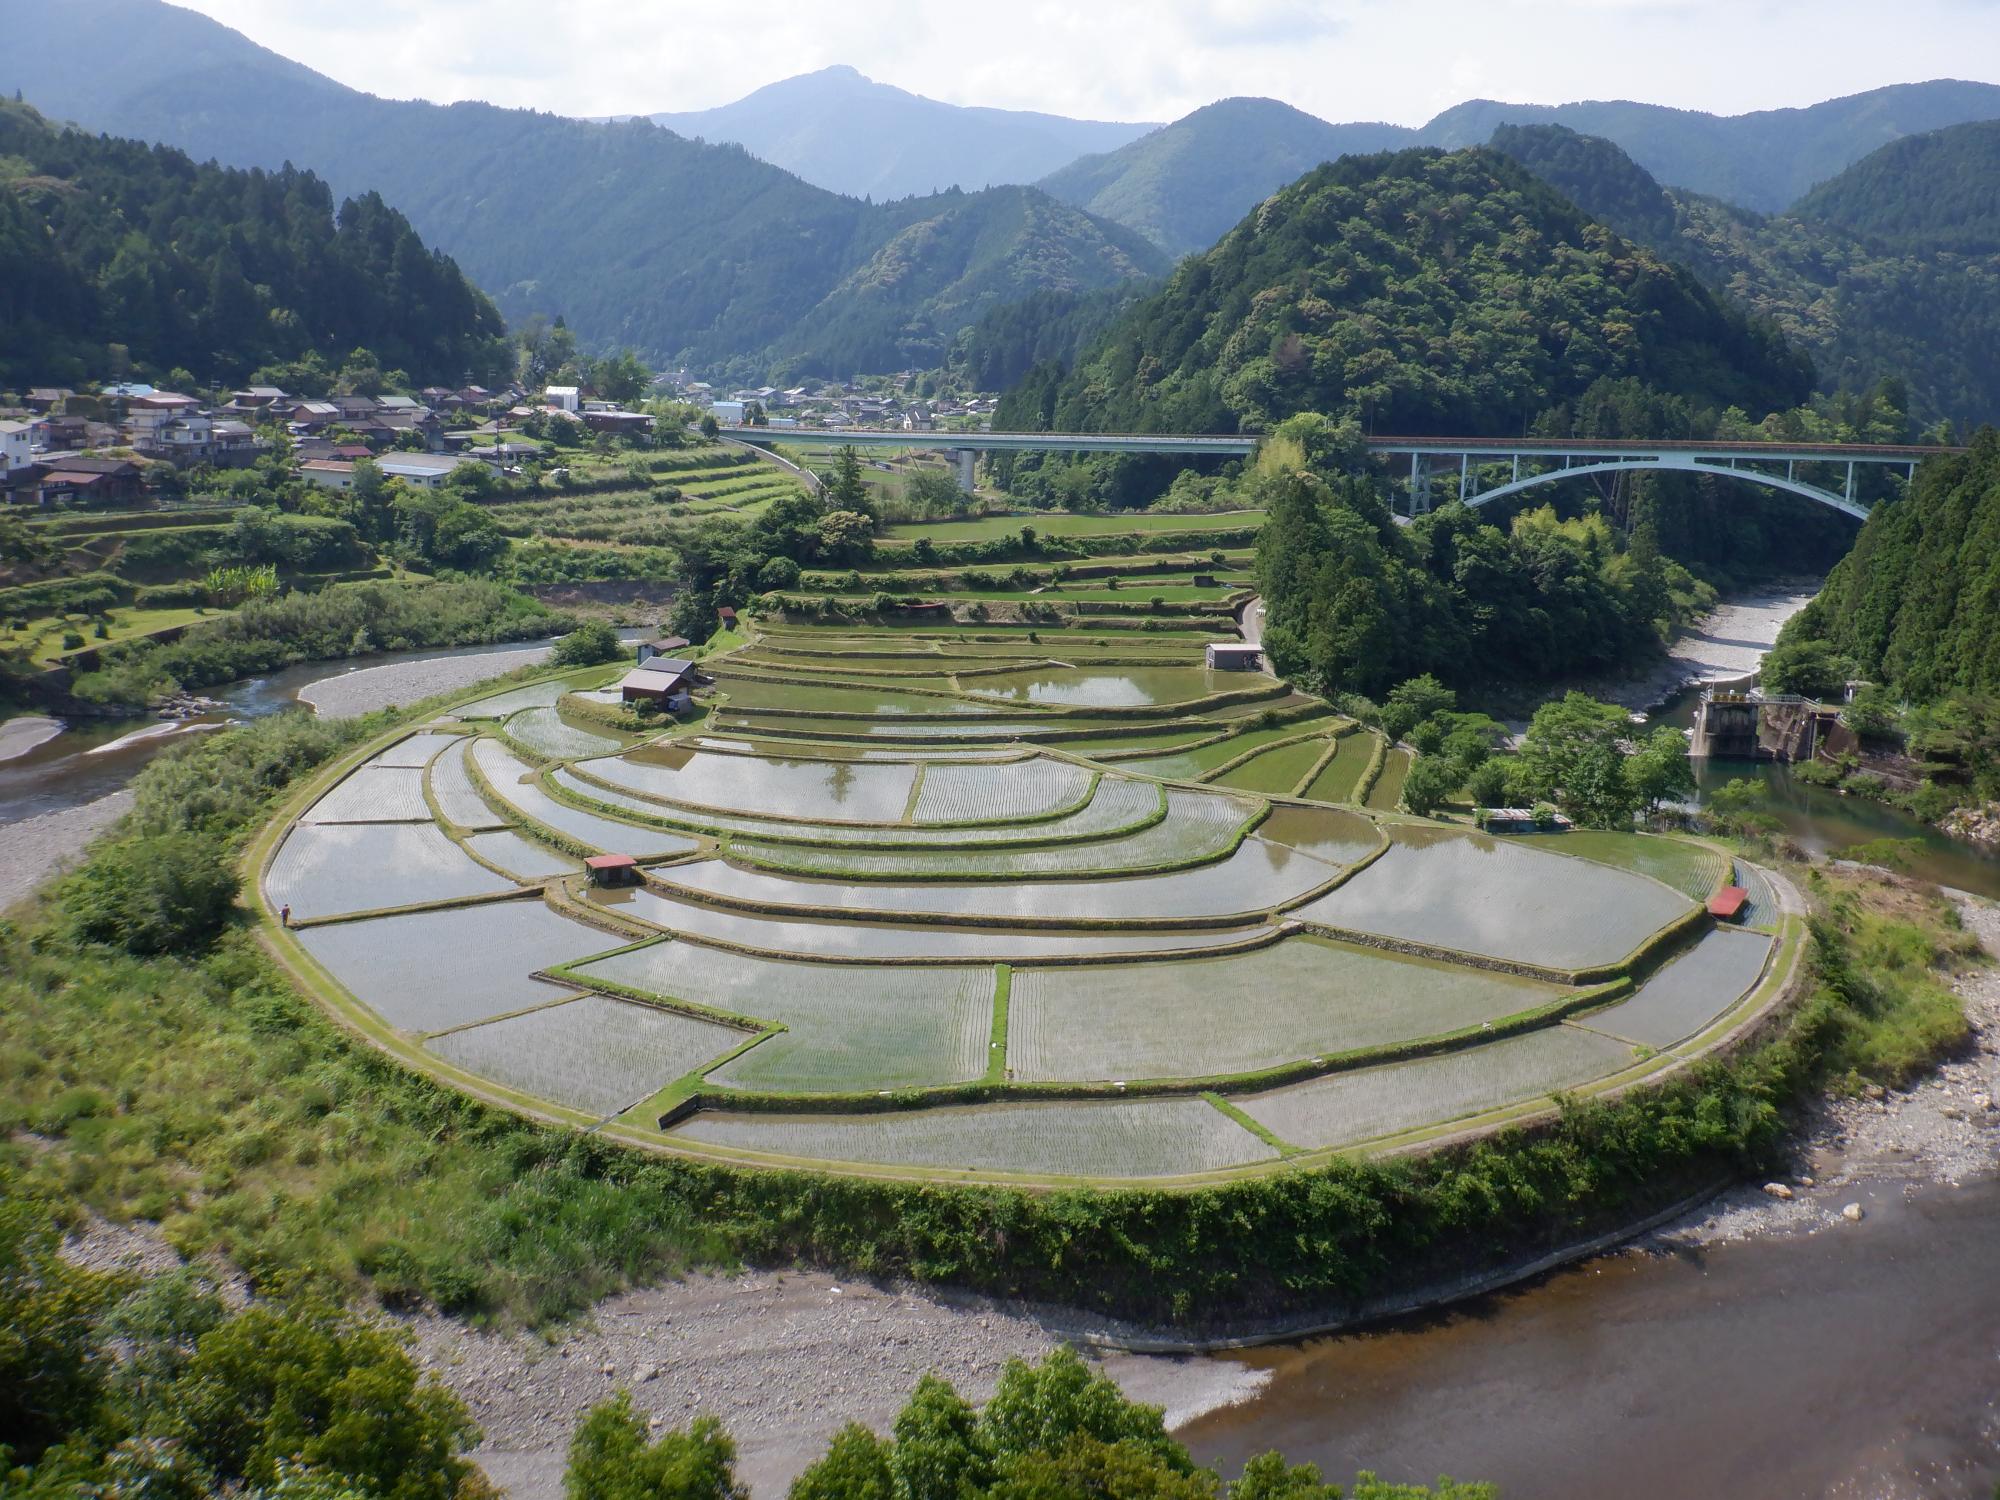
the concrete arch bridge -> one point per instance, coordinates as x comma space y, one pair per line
1821, 472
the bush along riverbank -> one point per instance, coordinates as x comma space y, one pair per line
346, 620
166, 1070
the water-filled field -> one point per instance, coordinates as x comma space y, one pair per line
452, 789
1348, 1107
433, 970
1242, 1012
1106, 687
1464, 891
802, 938
593, 1053
373, 794
1056, 870
823, 791
1688, 993
847, 1026
326, 870
1119, 1138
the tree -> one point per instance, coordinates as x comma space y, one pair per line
846, 536
610, 1458
846, 490
856, 1467
592, 642
932, 494
1658, 770
621, 377
168, 893
1810, 668
1412, 702
1571, 756
1432, 781
51, 1367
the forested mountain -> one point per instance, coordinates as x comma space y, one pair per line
1916, 604
1939, 191
1186, 184
1760, 161
635, 235
850, 134
1417, 291
1925, 314
1043, 328
213, 270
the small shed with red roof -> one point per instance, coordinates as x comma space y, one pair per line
612, 869
1727, 904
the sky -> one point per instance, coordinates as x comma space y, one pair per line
1395, 60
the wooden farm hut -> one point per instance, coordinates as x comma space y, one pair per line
612, 869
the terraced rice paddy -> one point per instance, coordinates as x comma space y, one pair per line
594, 1053
847, 1027
1345, 1108
430, 971
1243, 1012
1473, 894
1690, 992
553, 737
835, 941
1123, 1138
1057, 872
1695, 870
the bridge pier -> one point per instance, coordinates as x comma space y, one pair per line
964, 458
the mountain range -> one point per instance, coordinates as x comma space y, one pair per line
636, 235
713, 255
847, 133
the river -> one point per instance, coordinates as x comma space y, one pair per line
1856, 1362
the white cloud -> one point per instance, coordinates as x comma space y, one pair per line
1400, 60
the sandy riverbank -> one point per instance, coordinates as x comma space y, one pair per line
348, 695
34, 849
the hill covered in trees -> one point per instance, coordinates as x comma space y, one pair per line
1916, 604
1939, 191
1418, 292
638, 237
1186, 184
213, 270
1869, 301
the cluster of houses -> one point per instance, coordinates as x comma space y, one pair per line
834, 405
60, 445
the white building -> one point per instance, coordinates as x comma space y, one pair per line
728, 413
16, 443
424, 470
563, 398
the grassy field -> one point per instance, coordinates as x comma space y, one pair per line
1695, 870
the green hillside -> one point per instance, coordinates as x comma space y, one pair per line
1186, 184
1419, 292
1939, 191
637, 236
213, 270
1916, 604
1917, 307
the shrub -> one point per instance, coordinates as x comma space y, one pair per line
587, 645
167, 894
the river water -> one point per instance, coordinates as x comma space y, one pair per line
1860, 1361
93, 757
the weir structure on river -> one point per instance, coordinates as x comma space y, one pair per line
1822, 472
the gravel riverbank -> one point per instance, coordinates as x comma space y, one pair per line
1725, 644
19, 736
1944, 1129
348, 695
783, 1358
34, 849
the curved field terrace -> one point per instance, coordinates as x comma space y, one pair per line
1100, 915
